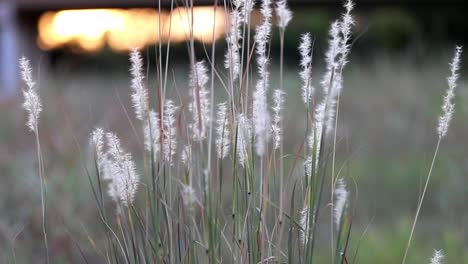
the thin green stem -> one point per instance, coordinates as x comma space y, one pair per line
421, 201
43, 191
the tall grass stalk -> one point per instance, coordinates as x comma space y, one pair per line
444, 122
33, 106
284, 16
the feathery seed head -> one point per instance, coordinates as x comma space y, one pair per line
347, 22
152, 133
438, 257
200, 105
448, 105
239, 15
32, 103
244, 132
248, 6
186, 155
305, 48
304, 222
124, 180
331, 57
97, 141
283, 14
278, 98
341, 197
139, 92
261, 118
169, 137
26, 72
222, 131
189, 196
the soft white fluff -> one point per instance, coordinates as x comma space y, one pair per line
189, 196
244, 132
124, 180
200, 105
97, 142
315, 138
186, 155
304, 222
261, 116
283, 14
139, 92
305, 48
346, 24
438, 257
331, 56
341, 199
448, 105
32, 103
240, 14
336, 60
278, 99
222, 131
169, 137
232, 56
152, 133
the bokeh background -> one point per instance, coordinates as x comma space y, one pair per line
393, 90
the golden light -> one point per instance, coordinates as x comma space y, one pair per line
123, 29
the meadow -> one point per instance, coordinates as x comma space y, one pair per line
317, 157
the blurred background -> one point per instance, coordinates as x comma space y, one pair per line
393, 90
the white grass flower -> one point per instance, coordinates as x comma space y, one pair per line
97, 142
139, 92
186, 155
32, 103
305, 48
26, 72
169, 137
331, 82
278, 99
347, 22
341, 198
308, 166
332, 101
448, 105
232, 56
244, 132
336, 60
222, 132
124, 180
262, 35
283, 14
102, 162
304, 222
248, 6
200, 105
152, 133
189, 196
261, 116
438, 257
331, 57
315, 138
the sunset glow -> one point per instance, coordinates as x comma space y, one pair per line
122, 29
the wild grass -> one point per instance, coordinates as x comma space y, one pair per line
213, 185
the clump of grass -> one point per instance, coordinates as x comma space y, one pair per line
175, 207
